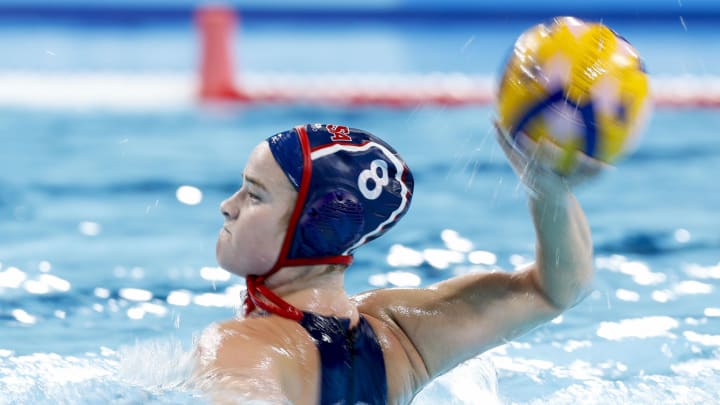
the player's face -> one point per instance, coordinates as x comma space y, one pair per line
256, 216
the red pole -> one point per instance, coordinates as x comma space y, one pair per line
217, 29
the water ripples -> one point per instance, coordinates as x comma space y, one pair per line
564, 350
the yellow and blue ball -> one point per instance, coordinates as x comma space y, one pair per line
576, 84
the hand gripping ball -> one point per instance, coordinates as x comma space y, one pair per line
578, 85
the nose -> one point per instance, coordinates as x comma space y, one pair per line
228, 209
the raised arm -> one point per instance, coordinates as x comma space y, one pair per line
563, 258
459, 318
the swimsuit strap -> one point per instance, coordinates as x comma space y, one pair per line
352, 362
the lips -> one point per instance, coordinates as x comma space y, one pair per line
226, 230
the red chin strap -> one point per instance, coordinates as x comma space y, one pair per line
274, 304
258, 294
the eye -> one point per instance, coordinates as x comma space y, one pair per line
254, 196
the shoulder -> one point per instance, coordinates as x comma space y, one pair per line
405, 368
257, 357
242, 342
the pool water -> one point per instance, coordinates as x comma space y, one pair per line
108, 220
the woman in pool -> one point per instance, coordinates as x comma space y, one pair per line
310, 197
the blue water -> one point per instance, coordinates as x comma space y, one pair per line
106, 276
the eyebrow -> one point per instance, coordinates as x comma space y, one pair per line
255, 182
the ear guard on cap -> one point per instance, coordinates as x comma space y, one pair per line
331, 221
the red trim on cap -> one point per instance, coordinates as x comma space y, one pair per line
331, 144
258, 294
300, 202
306, 261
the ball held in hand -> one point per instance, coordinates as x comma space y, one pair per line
578, 86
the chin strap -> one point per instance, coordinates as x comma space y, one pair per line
260, 296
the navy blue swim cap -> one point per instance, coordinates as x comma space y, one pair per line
352, 187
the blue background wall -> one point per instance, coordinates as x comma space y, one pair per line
636, 9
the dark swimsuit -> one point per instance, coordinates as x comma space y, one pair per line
353, 368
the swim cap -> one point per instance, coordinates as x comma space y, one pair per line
352, 188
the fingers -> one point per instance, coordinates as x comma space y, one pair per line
535, 163
518, 160
531, 162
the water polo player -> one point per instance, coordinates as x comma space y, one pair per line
310, 197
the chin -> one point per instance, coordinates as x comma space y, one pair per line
232, 261
231, 266
222, 261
